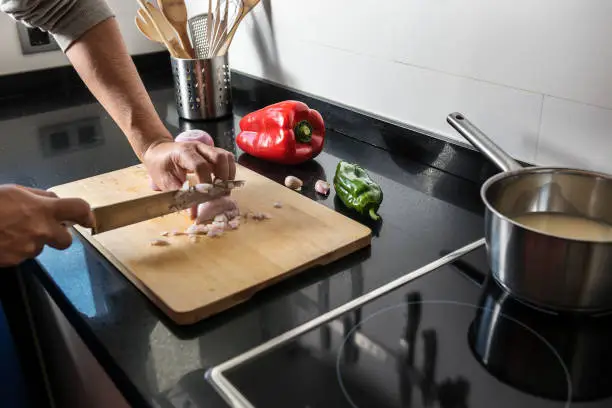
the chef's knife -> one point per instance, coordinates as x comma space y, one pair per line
117, 215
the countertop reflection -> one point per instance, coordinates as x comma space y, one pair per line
424, 211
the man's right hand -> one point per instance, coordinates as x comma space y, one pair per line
32, 218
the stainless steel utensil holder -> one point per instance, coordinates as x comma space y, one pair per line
202, 87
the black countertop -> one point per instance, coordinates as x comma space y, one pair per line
431, 204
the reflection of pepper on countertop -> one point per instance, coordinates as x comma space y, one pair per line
309, 172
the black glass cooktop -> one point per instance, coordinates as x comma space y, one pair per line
449, 339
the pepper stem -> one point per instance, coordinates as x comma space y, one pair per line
373, 214
303, 132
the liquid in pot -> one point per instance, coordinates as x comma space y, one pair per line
566, 226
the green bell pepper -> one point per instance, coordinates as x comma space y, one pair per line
357, 190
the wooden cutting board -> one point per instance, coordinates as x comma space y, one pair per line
190, 281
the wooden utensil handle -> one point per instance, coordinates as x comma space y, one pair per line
139, 22
180, 51
145, 10
175, 49
185, 40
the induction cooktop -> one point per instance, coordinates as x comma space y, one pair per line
444, 336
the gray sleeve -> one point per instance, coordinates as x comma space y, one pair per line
66, 20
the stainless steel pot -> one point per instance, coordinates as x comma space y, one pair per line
548, 271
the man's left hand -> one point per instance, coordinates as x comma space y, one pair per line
169, 162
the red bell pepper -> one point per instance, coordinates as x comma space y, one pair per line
287, 132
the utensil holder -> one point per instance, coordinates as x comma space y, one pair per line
202, 87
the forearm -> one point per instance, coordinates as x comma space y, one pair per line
101, 59
89, 35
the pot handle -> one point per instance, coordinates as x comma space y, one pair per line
482, 142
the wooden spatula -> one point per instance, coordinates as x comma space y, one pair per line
153, 17
146, 29
176, 13
167, 30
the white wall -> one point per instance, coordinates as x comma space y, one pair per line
534, 75
13, 61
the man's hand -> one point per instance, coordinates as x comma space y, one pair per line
169, 162
32, 218
105, 66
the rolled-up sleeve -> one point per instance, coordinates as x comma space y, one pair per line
66, 20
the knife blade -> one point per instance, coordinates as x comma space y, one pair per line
117, 215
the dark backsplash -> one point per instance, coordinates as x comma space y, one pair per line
26, 93
402, 143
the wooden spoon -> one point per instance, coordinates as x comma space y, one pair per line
154, 30
167, 30
154, 18
176, 13
247, 6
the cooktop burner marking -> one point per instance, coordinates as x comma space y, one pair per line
216, 375
454, 303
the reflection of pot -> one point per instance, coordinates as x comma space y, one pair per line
520, 359
309, 172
